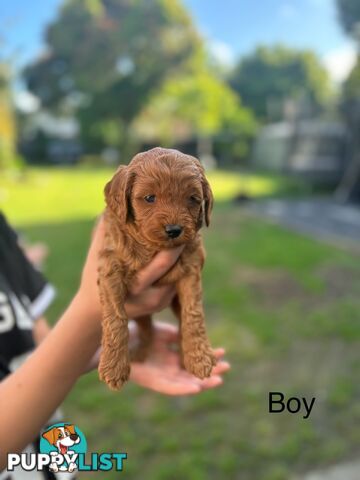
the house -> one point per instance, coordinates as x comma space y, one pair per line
315, 149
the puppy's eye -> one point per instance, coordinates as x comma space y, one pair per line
195, 199
150, 198
59, 436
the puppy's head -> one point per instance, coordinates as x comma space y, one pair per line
164, 193
62, 437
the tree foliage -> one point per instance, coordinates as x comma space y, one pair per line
351, 88
192, 106
349, 187
8, 155
276, 74
349, 15
105, 58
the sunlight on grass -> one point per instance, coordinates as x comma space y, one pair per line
55, 194
226, 185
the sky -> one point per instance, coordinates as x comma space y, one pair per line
232, 28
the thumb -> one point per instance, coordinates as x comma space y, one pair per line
159, 265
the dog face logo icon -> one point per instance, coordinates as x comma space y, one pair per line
62, 437
63, 442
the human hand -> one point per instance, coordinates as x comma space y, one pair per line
143, 298
162, 372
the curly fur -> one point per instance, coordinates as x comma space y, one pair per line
134, 233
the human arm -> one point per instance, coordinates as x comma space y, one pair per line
30, 395
44, 380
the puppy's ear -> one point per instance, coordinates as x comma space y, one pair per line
208, 200
118, 192
71, 428
207, 193
50, 436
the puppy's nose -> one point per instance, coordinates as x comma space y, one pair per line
74, 436
173, 231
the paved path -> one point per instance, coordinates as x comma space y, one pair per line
321, 218
344, 471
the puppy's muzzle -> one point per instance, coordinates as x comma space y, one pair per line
173, 231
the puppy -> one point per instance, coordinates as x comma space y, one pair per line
159, 201
62, 438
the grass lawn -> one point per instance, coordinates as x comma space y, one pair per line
285, 307
62, 194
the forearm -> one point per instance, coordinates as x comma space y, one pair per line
29, 396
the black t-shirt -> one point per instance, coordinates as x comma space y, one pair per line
24, 296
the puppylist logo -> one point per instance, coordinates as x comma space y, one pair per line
62, 449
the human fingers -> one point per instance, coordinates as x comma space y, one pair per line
158, 381
159, 265
176, 388
151, 300
219, 352
161, 297
221, 368
211, 382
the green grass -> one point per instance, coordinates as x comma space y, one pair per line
285, 307
56, 194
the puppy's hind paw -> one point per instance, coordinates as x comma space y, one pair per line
200, 365
115, 379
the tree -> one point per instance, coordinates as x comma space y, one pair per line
8, 155
349, 16
106, 57
349, 187
270, 76
195, 105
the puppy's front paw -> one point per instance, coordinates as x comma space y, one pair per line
199, 362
